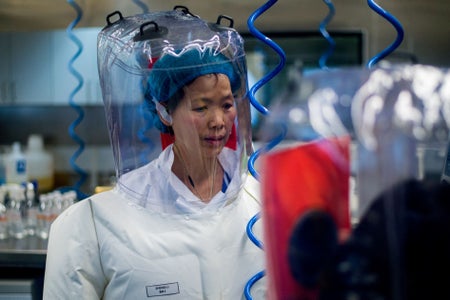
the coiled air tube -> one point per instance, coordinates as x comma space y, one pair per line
274, 46
323, 29
142, 5
258, 106
263, 110
81, 145
397, 25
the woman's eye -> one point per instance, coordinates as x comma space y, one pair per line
199, 109
228, 106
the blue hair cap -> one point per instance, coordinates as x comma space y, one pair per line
171, 72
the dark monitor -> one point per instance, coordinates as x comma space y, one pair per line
309, 46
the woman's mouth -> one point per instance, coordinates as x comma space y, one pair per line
214, 140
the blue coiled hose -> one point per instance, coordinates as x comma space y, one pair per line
258, 106
323, 29
274, 46
397, 25
263, 110
259, 244
81, 145
142, 5
250, 234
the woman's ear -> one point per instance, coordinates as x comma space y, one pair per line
165, 118
163, 114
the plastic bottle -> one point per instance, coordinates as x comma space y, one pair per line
16, 165
14, 211
40, 164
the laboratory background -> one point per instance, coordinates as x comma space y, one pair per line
52, 116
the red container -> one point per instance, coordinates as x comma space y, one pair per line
310, 176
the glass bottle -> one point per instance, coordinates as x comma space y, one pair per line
44, 216
14, 210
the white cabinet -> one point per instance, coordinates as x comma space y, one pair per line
65, 83
34, 67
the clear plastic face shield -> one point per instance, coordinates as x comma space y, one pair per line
174, 83
357, 187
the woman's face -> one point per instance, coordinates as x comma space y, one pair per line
205, 115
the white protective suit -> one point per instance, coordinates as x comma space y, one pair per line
110, 247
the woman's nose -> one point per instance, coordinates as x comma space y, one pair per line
216, 119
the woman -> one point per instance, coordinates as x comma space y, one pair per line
174, 227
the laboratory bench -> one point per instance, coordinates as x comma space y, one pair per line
22, 267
